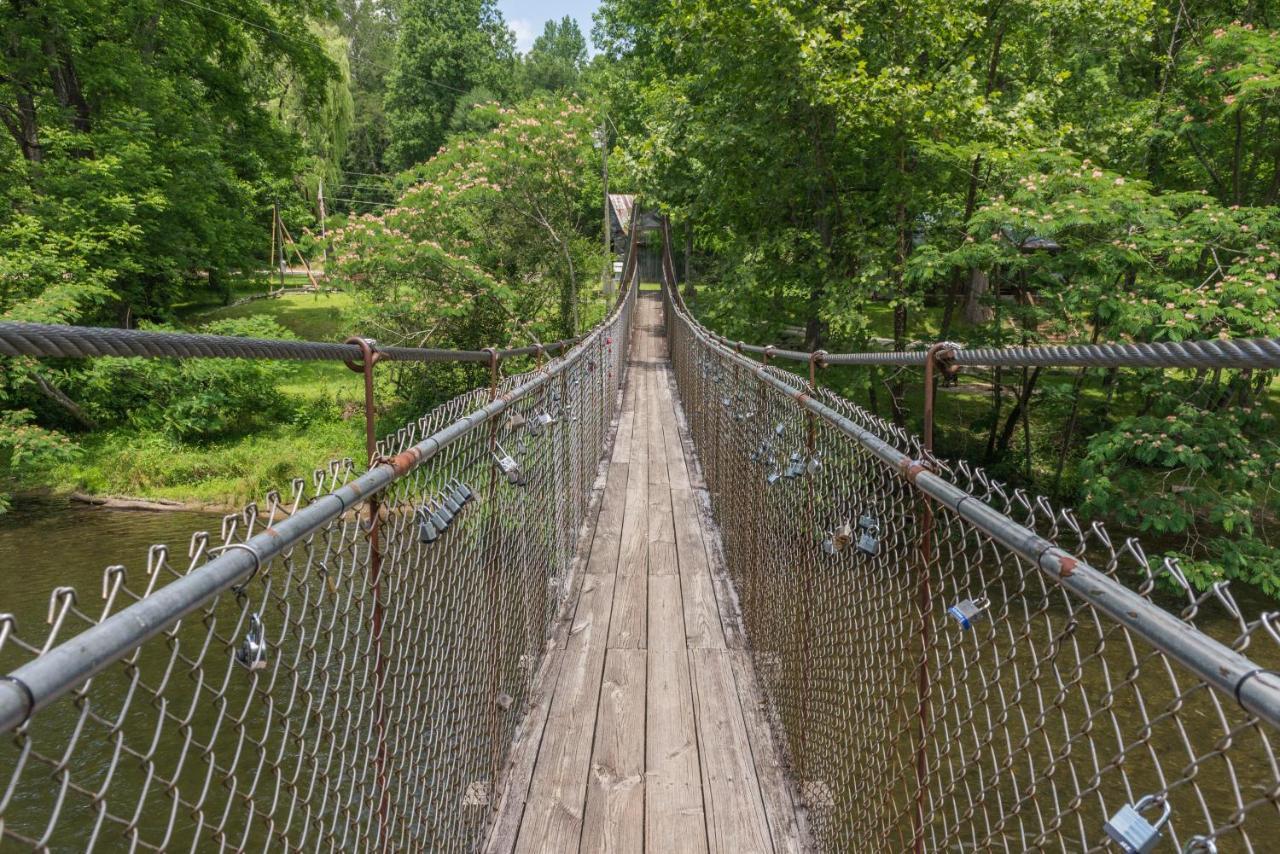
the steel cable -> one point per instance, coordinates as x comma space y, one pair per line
51, 340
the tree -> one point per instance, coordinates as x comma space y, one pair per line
492, 242
445, 48
557, 58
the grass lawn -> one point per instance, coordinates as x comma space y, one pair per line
231, 471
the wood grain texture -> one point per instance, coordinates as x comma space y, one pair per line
736, 820
701, 613
673, 816
615, 790
553, 813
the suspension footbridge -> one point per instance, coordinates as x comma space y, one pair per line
653, 594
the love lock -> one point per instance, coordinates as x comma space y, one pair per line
509, 467
774, 474
814, 466
427, 530
516, 420
461, 492
838, 540
1133, 833
440, 516
795, 465
761, 453
969, 611
541, 422
451, 504
252, 654
869, 539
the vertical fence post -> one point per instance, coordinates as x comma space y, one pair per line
937, 354
369, 357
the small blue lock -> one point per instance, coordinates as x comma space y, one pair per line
969, 611
1133, 833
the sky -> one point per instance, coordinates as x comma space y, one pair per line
527, 17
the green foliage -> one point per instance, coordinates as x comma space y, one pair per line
190, 400
1001, 173
1192, 473
557, 58
492, 243
142, 147
445, 49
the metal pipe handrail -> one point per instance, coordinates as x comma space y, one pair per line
57, 671
1253, 686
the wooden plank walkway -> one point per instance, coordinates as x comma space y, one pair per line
645, 733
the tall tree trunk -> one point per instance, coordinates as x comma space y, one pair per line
1020, 405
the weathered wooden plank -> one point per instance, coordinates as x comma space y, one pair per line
701, 614
673, 815
666, 614
607, 539
736, 819
779, 806
615, 790
627, 629
523, 756
553, 812
662, 559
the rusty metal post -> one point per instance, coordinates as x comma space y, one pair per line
811, 445
938, 353
491, 581
369, 357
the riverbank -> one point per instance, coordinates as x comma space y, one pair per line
319, 423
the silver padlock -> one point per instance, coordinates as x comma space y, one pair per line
869, 539
1133, 833
779, 429
427, 530
541, 422
440, 516
969, 611
838, 540
761, 453
774, 475
814, 466
252, 654
461, 492
509, 467
795, 465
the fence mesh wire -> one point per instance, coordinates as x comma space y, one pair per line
903, 729
377, 707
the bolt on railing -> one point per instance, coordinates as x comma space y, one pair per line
950, 665
341, 667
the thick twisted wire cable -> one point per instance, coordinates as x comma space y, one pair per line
1256, 353
50, 340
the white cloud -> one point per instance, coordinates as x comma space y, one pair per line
525, 34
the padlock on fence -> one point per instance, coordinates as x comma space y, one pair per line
814, 467
969, 611
1133, 832
252, 654
795, 465
427, 530
509, 467
869, 536
838, 540
540, 422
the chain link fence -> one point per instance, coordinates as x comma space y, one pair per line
306, 678
953, 666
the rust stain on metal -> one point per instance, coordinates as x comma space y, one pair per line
1067, 567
